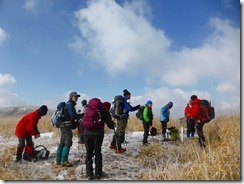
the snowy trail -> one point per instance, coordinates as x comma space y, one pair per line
123, 166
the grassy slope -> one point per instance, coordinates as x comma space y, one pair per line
180, 161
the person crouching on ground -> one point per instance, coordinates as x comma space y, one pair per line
147, 120
164, 117
93, 139
66, 130
25, 129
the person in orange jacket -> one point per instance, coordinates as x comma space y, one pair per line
25, 129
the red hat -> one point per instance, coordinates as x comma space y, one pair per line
107, 105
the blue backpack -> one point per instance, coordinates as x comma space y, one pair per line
58, 116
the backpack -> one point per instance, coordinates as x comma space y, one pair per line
139, 113
153, 131
92, 118
206, 110
117, 106
40, 153
58, 116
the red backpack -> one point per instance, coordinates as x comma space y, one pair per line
92, 118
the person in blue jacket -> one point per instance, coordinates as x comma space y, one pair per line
119, 135
164, 117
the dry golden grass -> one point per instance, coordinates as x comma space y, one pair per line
220, 160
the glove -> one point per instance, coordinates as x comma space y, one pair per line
138, 106
37, 135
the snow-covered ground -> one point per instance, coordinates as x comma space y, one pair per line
118, 166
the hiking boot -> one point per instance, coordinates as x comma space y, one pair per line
58, 163
202, 145
90, 177
67, 164
120, 150
17, 160
99, 176
112, 147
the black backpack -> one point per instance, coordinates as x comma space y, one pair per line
117, 107
139, 113
206, 110
40, 153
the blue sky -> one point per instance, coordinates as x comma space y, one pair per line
162, 50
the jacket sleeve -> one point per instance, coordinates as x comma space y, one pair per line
72, 112
108, 119
187, 111
31, 125
145, 115
128, 107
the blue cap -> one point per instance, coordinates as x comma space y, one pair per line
149, 102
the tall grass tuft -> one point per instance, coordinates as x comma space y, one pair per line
220, 160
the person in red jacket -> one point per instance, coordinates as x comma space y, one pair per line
25, 129
189, 120
194, 113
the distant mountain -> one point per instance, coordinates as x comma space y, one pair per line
20, 110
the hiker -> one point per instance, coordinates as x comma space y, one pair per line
80, 129
122, 121
195, 117
189, 120
70, 123
164, 117
147, 120
25, 129
93, 139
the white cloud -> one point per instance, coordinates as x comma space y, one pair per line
6, 79
31, 5
3, 36
122, 39
180, 98
9, 99
119, 38
37, 6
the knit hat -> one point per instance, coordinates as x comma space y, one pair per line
43, 110
149, 102
126, 92
107, 105
193, 97
170, 104
84, 102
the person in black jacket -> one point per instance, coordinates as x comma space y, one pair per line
93, 140
72, 118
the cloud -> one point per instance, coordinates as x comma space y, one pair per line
119, 37
31, 5
3, 36
6, 79
9, 99
37, 6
